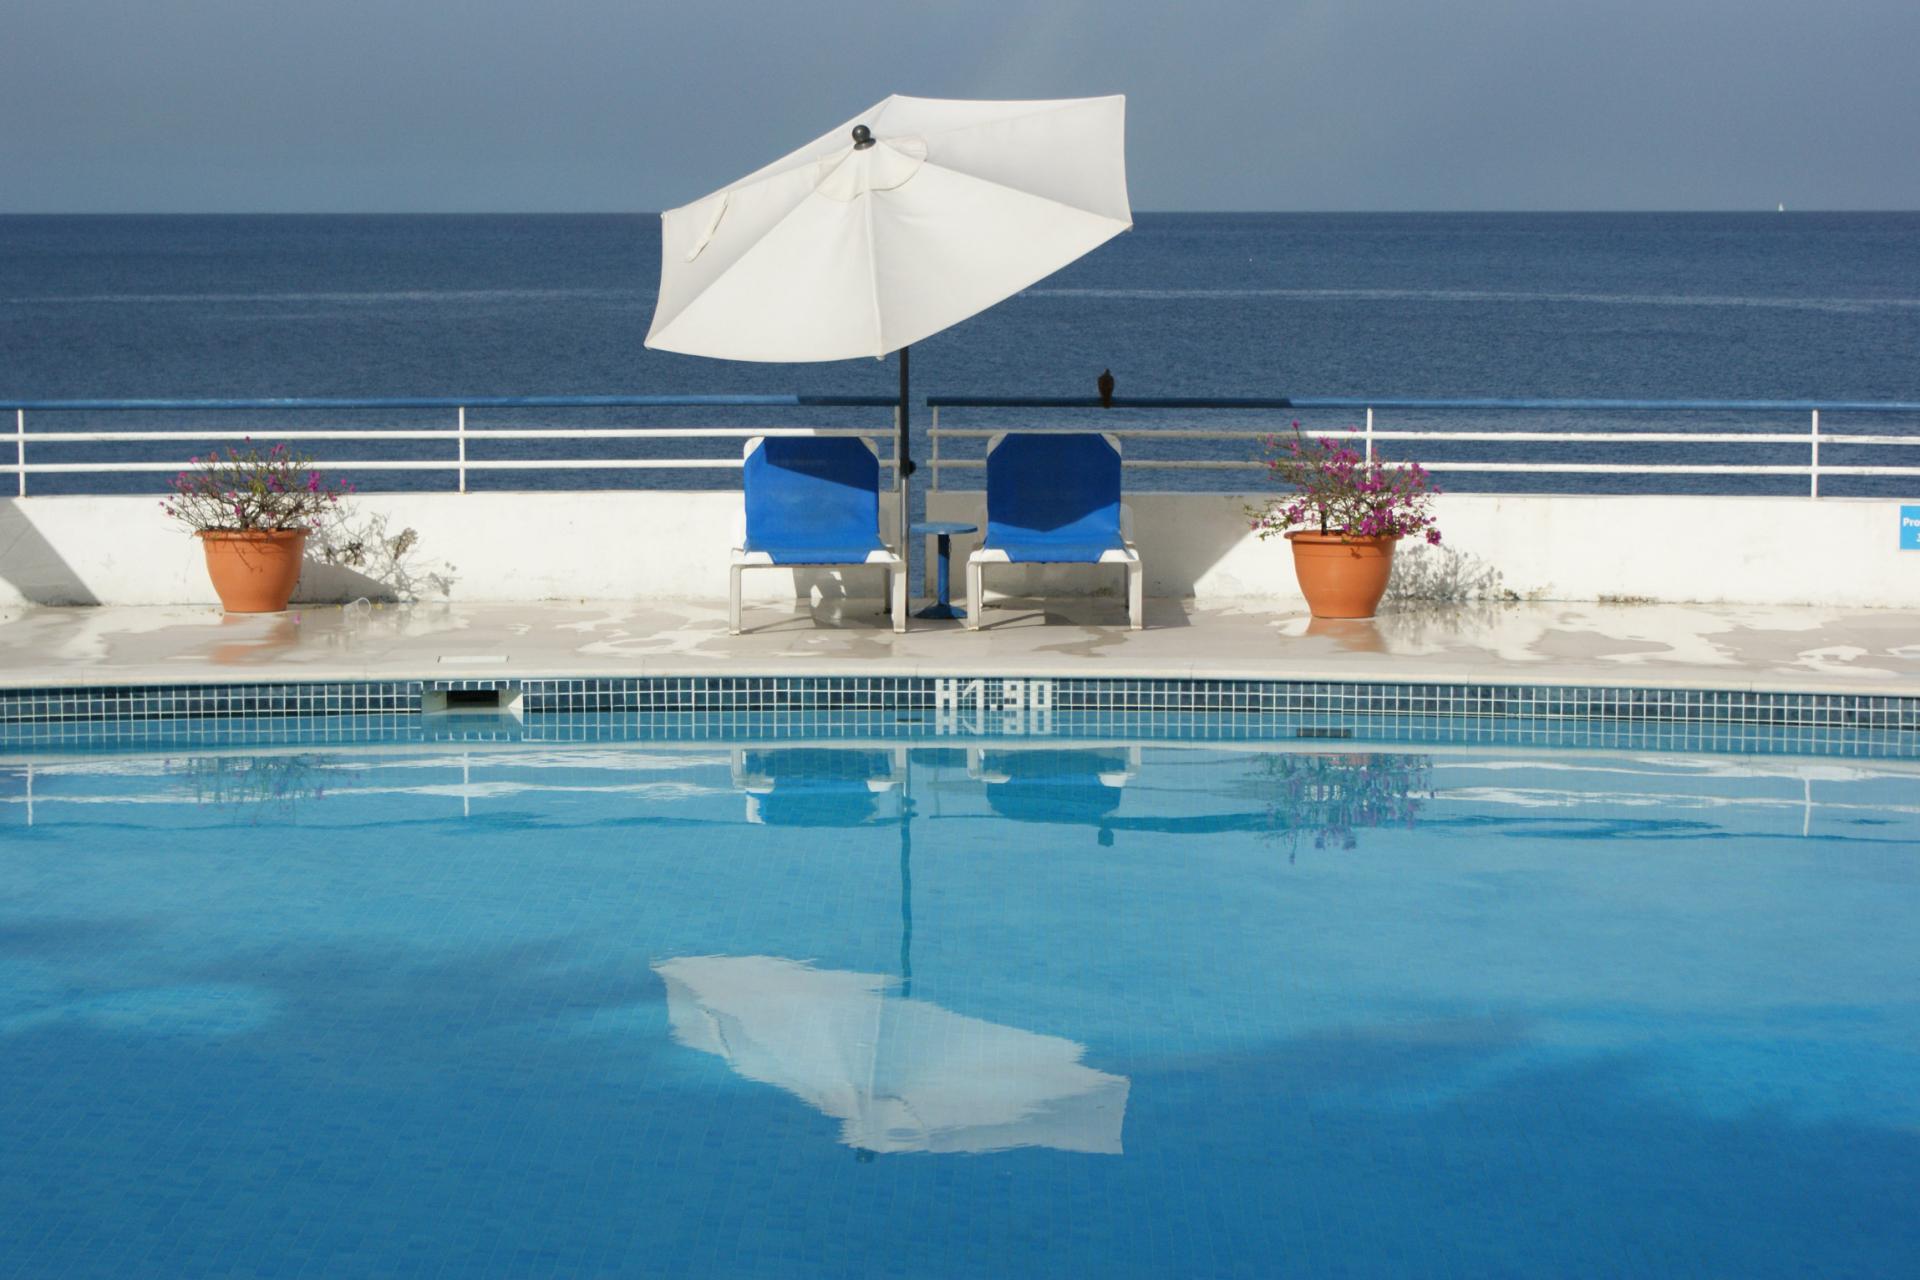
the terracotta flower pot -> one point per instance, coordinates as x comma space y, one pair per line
254, 571
1341, 577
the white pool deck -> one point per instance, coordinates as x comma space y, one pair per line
1763, 648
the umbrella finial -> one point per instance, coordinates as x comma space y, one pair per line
862, 137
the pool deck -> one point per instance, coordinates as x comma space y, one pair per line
1760, 648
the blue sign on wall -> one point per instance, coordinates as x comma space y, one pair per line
1910, 528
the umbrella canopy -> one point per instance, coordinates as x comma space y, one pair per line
899, 1074
858, 247
908, 218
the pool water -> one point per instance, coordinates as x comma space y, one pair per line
999, 1008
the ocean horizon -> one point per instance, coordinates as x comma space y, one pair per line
1692, 305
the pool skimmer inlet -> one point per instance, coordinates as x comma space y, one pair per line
472, 698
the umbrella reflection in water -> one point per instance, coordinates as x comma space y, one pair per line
900, 1074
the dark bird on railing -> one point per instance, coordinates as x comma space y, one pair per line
1106, 388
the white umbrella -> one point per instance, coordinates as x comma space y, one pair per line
900, 1074
906, 219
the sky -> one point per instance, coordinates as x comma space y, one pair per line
623, 105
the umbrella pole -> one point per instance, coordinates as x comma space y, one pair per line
903, 459
906, 880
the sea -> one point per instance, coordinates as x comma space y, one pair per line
1765, 305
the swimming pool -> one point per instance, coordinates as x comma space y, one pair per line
853, 1004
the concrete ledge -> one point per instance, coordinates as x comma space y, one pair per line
1789, 650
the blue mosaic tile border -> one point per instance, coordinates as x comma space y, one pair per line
745, 728
1217, 727
1253, 697
121, 703
910, 706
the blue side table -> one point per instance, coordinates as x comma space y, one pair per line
942, 608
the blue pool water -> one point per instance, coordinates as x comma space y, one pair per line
999, 1008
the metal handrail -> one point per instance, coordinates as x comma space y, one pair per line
1354, 433
459, 435
1390, 402
1812, 439
786, 401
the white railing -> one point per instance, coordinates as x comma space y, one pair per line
1369, 436
457, 439
452, 447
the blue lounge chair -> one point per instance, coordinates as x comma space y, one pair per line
1054, 498
813, 502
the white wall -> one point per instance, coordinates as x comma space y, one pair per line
475, 546
537, 546
1838, 551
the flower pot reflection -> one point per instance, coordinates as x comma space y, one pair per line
1356, 635
255, 642
1329, 798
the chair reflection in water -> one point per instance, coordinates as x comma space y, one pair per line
1072, 786
821, 786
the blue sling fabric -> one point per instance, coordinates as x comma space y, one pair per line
813, 500
1053, 498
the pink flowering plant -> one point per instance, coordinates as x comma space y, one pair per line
1336, 490
244, 492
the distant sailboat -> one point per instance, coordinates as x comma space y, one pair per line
1780, 209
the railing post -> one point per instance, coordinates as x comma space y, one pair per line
933, 440
1369, 433
1815, 470
20, 446
463, 448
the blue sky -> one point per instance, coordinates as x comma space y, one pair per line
606, 105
